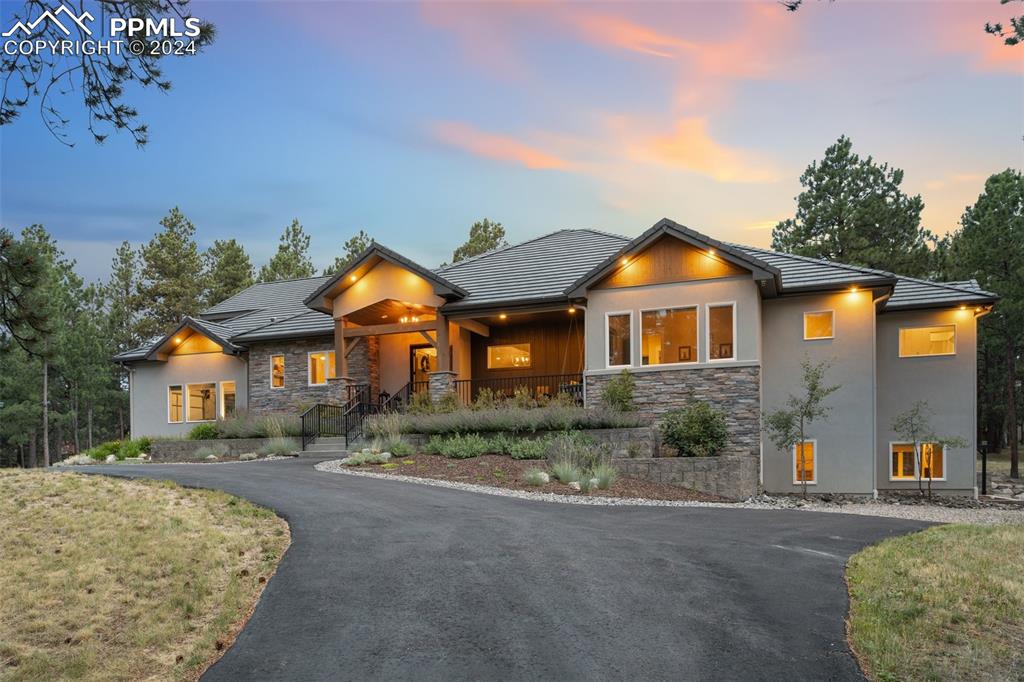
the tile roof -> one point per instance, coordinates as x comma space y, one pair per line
536, 270
539, 270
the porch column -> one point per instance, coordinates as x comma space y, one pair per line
442, 381
340, 381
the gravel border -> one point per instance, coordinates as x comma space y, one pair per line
934, 513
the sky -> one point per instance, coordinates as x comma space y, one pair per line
412, 120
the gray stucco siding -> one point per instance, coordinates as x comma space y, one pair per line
946, 382
845, 440
150, 382
742, 291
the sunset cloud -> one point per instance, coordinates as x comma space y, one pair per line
691, 147
605, 29
496, 147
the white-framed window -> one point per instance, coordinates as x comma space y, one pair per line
175, 404
918, 342
320, 367
805, 462
228, 398
277, 371
903, 464
721, 331
618, 339
509, 356
819, 324
668, 336
201, 402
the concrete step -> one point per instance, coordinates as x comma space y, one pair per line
331, 439
326, 447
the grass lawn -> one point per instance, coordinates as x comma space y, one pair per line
943, 604
114, 579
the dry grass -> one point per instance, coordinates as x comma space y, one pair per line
943, 604
114, 579
999, 463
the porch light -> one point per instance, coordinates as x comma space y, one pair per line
624, 260
711, 252
853, 290
351, 278
503, 316
963, 307
572, 311
177, 339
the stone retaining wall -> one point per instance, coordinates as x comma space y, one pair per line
733, 477
734, 390
182, 450
641, 442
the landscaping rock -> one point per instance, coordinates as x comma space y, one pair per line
593, 483
110, 459
543, 477
211, 457
575, 485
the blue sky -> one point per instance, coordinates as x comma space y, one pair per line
413, 120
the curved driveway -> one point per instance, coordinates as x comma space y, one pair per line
391, 580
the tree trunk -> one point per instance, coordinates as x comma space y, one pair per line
32, 451
46, 414
89, 419
74, 422
120, 423
1011, 407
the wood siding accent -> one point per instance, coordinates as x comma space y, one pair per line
554, 347
669, 260
196, 343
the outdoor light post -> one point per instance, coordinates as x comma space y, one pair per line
983, 449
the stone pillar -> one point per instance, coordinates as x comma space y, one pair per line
339, 389
441, 383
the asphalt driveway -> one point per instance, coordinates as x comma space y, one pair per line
390, 580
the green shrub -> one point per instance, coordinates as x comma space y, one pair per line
535, 477
367, 456
513, 420
577, 449
434, 445
420, 403
618, 394
530, 448
566, 471
697, 430
399, 448
103, 450
465, 446
133, 447
586, 482
217, 450
501, 444
279, 446
389, 466
486, 399
203, 432
523, 398
605, 474
448, 402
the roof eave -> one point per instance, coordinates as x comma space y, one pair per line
195, 325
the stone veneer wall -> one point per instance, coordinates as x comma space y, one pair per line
733, 477
297, 394
734, 390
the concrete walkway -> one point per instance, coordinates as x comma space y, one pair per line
390, 580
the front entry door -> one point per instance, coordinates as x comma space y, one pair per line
422, 361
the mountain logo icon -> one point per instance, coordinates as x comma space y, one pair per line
52, 17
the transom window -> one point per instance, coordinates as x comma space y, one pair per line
904, 465
509, 356
619, 338
805, 464
819, 325
175, 405
669, 335
721, 342
923, 341
202, 402
321, 367
277, 371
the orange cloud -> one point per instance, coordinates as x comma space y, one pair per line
497, 147
959, 29
604, 29
691, 147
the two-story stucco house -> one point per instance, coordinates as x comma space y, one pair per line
689, 316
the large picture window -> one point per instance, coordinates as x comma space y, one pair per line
805, 462
923, 341
277, 371
721, 341
202, 402
509, 356
321, 367
904, 464
668, 335
620, 344
175, 405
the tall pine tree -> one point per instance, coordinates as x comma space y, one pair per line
852, 210
351, 250
292, 258
171, 282
484, 236
228, 271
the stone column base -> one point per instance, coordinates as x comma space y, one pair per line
441, 384
339, 388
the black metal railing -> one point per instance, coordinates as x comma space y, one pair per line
322, 420
539, 387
